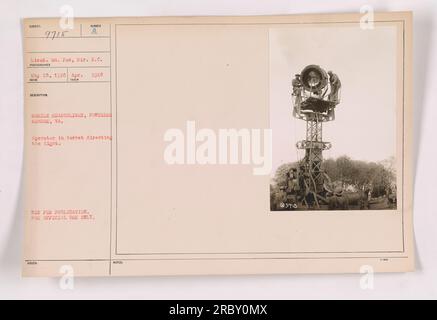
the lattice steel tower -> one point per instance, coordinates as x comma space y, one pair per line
315, 95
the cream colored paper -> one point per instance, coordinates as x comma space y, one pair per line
100, 199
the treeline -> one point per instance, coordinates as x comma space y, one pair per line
380, 175
352, 173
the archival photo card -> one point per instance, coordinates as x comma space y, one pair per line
218, 145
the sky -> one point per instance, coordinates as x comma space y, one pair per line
365, 61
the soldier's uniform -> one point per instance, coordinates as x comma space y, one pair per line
335, 82
297, 88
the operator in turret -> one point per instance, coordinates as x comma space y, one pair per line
297, 85
335, 83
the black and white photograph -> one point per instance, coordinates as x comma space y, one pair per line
333, 101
